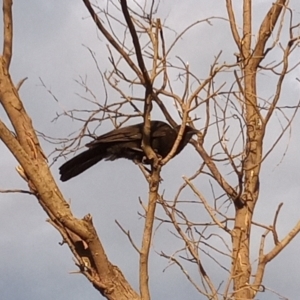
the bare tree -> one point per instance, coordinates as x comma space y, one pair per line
233, 118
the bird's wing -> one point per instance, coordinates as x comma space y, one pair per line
124, 134
131, 133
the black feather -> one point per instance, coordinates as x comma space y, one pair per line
126, 142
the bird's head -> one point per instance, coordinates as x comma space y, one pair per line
187, 135
189, 131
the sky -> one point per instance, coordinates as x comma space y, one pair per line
50, 46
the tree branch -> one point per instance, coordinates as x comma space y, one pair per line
266, 30
8, 32
232, 23
112, 40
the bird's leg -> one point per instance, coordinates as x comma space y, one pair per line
147, 161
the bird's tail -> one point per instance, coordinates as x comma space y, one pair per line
80, 163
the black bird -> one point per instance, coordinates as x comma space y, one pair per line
126, 142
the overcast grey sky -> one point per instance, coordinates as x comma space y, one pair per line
48, 44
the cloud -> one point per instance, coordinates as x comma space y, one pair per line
48, 44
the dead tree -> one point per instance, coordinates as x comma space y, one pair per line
233, 119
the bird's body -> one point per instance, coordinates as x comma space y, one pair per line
126, 143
